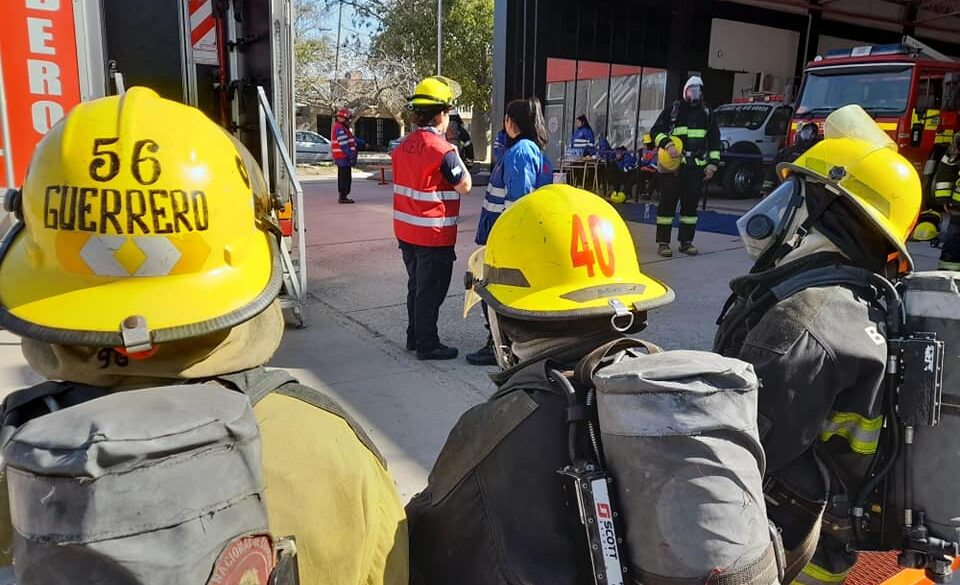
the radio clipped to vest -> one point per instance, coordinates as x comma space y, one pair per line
599, 512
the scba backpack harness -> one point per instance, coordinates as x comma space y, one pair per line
160, 486
907, 501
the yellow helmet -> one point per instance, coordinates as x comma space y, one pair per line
436, 90
143, 223
928, 226
667, 163
562, 253
618, 197
647, 139
862, 162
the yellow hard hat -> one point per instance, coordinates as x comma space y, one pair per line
143, 222
562, 253
618, 197
647, 139
928, 226
862, 162
436, 90
667, 163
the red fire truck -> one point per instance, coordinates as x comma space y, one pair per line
911, 90
232, 59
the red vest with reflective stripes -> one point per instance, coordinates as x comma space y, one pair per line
425, 206
335, 147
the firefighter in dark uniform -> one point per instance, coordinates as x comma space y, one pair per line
946, 191
690, 121
846, 207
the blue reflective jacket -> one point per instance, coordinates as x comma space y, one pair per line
583, 139
522, 169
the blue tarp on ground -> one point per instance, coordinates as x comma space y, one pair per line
710, 221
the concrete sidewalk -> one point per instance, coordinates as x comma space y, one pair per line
353, 345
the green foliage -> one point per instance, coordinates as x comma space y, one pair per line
408, 29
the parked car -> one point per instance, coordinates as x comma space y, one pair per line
751, 134
312, 147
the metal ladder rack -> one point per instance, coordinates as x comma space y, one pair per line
293, 296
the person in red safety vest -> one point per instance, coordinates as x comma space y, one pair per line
343, 147
429, 178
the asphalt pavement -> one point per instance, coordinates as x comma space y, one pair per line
353, 346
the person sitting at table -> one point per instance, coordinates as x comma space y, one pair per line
583, 137
622, 171
647, 168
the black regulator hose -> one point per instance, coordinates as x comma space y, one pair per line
895, 321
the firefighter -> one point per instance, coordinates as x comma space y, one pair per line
946, 190
429, 178
807, 136
344, 148
816, 336
150, 225
545, 305
691, 121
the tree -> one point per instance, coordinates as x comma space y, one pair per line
407, 31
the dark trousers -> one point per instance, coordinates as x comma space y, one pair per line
950, 254
344, 180
683, 187
646, 182
428, 279
620, 180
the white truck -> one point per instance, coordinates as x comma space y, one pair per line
752, 131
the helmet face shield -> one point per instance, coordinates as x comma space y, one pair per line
762, 227
693, 93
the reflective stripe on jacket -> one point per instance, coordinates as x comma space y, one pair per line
946, 183
343, 146
695, 127
425, 205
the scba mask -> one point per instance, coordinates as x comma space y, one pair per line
694, 94
765, 225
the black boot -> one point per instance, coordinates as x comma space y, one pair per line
484, 356
344, 199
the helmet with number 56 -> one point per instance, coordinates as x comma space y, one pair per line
137, 207
562, 254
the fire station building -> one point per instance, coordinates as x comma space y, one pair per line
619, 61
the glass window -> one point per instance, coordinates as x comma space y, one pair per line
750, 116
951, 92
880, 92
930, 90
653, 96
779, 122
624, 99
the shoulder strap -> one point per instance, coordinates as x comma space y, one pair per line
257, 383
824, 276
601, 356
674, 114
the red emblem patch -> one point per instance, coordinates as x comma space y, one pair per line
247, 560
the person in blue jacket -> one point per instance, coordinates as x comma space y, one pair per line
523, 168
583, 136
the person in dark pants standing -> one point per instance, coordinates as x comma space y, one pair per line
344, 149
691, 123
429, 178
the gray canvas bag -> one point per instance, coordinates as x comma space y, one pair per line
160, 486
679, 433
932, 304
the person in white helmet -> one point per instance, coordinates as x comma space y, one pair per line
686, 131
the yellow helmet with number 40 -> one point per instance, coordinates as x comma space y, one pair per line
561, 253
143, 222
